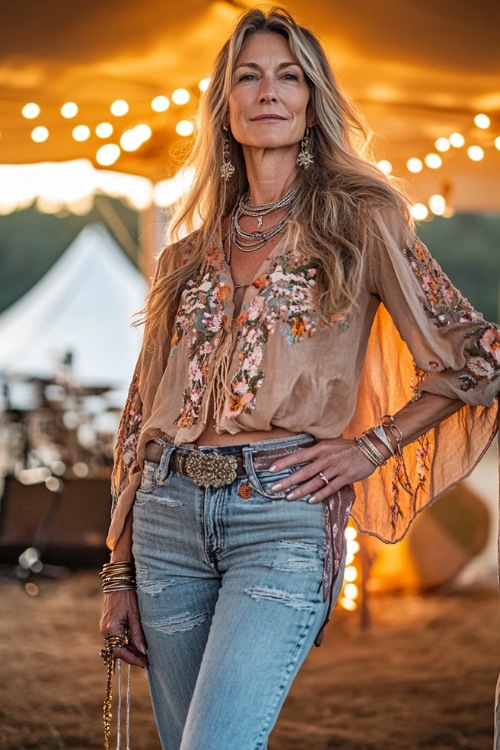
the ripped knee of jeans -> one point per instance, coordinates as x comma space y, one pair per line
296, 601
299, 557
181, 623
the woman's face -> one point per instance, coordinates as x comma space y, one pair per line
269, 95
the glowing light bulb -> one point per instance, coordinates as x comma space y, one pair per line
181, 96
104, 130
475, 153
348, 604
497, 143
414, 165
69, 110
30, 111
350, 533
108, 154
385, 166
482, 121
81, 133
353, 546
184, 128
204, 84
129, 141
457, 140
433, 161
133, 139
419, 211
442, 144
437, 204
39, 134
143, 131
351, 591
160, 104
119, 108
350, 574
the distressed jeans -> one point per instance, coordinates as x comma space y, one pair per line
231, 600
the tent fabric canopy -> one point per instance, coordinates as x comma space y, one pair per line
419, 70
83, 305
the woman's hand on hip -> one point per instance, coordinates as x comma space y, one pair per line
120, 611
329, 466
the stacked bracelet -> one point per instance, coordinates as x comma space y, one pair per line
389, 434
370, 450
390, 427
118, 576
379, 433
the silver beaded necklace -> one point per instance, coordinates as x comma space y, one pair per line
248, 242
259, 210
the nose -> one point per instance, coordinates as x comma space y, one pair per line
268, 91
264, 98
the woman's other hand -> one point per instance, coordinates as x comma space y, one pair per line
120, 611
338, 460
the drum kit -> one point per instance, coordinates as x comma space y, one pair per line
56, 452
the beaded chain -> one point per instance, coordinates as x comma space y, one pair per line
248, 242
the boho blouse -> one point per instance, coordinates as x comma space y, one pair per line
278, 364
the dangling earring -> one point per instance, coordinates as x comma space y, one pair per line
305, 157
227, 167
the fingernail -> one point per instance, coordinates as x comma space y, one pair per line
312, 500
276, 487
272, 468
142, 649
291, 496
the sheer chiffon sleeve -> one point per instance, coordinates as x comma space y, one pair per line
425, 337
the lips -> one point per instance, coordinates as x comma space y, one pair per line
268, 117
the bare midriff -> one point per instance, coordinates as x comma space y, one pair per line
210, 436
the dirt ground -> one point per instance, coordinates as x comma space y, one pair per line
423, 676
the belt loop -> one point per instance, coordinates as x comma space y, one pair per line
247, 458
163, 468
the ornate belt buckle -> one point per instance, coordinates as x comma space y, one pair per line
211, 469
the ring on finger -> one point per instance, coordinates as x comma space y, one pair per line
323, 478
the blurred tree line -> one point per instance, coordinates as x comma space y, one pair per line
467, 246
31, 242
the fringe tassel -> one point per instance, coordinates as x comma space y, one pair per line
218, 389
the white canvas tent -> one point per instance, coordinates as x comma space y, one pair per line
83, 305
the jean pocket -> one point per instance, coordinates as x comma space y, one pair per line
148, 478
263, 481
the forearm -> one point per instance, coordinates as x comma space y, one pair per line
123, 548
418, 417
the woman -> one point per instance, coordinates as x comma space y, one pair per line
267, 354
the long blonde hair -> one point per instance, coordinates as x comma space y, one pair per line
337, 196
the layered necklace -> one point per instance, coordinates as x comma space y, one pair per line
251, 241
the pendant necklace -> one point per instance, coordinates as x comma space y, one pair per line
248, 242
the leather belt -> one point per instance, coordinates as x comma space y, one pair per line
213, 469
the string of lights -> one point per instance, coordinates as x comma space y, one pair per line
130, 139
445, 146
118, 139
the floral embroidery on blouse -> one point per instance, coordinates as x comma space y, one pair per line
200, 323
131, 423
128, 435
284, 303
446, 306
421, 449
